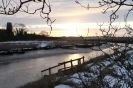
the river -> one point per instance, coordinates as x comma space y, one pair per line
20, 69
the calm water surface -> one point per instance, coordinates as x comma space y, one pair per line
20, 72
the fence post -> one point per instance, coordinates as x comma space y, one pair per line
79, 61
64, 66
83, 59
71, 64
49, 71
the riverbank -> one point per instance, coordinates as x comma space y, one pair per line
20, 47
21, 70
44, 53
59, 78
100, 72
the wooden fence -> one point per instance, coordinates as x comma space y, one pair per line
64, 64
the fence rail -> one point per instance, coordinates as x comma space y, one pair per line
79, 62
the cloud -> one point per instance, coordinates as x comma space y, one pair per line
77, 11
65, 12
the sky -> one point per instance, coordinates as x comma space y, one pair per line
71, 19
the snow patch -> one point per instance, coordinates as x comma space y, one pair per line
62, 86
119, 70
90, 64
42, 45
129, 52
110, 80
106, 63
77, 78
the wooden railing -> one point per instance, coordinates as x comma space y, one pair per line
64, 64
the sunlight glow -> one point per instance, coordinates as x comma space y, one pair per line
74, 56
65, 29
73, 29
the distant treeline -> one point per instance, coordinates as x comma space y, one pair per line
20, 33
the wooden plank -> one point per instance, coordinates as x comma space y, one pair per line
50, 68
79, 62
64, 63
70, 61
45, 70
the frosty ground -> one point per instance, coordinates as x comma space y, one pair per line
114, 71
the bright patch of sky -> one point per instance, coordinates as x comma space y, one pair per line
71, 18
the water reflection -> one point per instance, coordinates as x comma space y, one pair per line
24, 71
74, 56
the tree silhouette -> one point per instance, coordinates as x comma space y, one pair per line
112, 7
11, 7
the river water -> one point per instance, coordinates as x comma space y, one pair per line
27, 67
